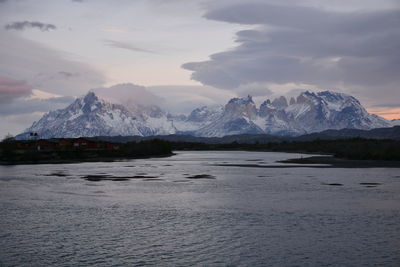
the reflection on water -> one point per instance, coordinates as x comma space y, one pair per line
186, 210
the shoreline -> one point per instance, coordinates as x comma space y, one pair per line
335, 162
73, 161
324, 161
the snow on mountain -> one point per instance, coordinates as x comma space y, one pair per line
316, 112
309, 112
90, 116
238, 117
395, 122
197, 119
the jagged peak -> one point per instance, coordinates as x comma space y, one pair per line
90, 97
307, 93
200, 109
326, 93
327, 96
244, 100
280, 102
203, 110
313, 111
265, 103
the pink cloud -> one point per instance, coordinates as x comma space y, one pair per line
11, 89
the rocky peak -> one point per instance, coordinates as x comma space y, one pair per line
241, 107
395, 122
266, 108
310, 112
200, 114
242, 101
90, 102
90, 97
266, 103
304, 98
280, 102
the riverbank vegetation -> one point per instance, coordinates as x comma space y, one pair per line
78, 150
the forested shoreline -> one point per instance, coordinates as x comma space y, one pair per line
12, 152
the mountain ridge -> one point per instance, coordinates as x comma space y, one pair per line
392, 133
308, 113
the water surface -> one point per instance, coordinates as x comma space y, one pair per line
51, 215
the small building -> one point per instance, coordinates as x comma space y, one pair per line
44, 144
66, 144
83, 143
109, 145
25, 144
62, 142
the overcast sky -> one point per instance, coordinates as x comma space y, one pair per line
194, 52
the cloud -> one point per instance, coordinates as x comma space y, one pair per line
22, 25
27, 106
67, 74
356, 51
253, 89
183, 99
113, 30
17, 123
11, 89
44, 68
127, 46
128, 93
19, 114
172, 98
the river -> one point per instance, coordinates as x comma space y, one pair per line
189, 210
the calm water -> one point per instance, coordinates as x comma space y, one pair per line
50, 215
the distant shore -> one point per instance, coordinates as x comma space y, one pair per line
344, 153
321, 162
334, 162
328, 161
76, 150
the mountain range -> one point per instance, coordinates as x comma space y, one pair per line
392, 133
307, 113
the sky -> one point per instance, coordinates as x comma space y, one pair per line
182, 54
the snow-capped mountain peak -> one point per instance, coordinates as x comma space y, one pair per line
241, 107
395, 122
309, 112
90, 116
280, 102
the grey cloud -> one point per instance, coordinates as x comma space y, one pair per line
22, 25
26, 106
19, 114
127, 46
11, 89
303, 45
182, 99
306, 18
67, 74
44, 68
253, 89
128, 93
